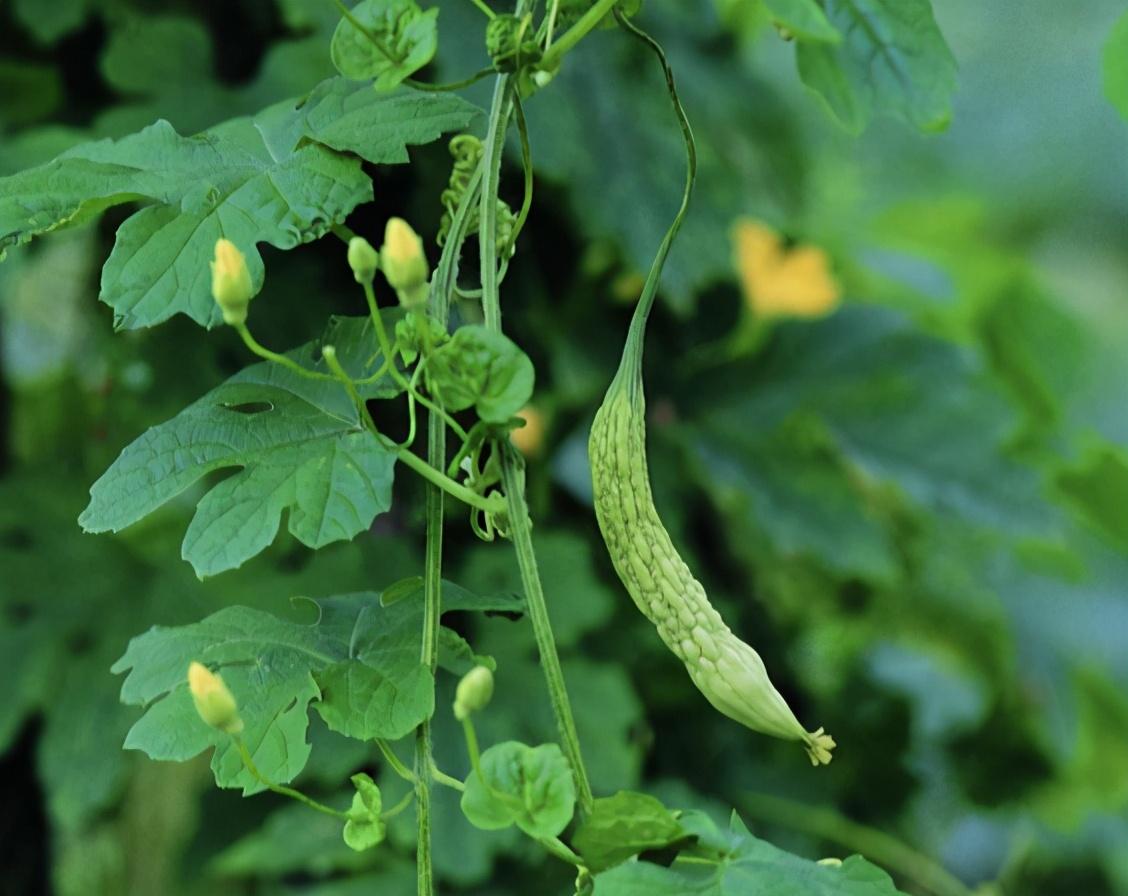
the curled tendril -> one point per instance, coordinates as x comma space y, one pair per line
466, 150
511, 44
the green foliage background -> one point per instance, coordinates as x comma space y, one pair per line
916, 508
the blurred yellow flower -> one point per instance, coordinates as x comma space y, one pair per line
529, 439
779, 282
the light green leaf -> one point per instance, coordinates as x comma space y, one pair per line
274, 668
481, 369
1116, 66
531, 787
892, 60
364, 829
803, 18
301, 446
745, 867
622, 826
399, 39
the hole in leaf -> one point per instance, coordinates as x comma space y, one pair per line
250, 407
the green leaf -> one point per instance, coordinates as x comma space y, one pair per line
531, 787
844, 424
803, 18
271, 180
352, 118
745, 867
1116, 66
1099, 489
892, 60
276, 669
366, 703
50, 20
622, 826
399, 39
206, 187
300, 444
481, 369
364, 829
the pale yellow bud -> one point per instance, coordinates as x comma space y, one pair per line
231, 282
214, 702
404, 263
474, 692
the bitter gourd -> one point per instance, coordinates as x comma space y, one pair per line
724, 668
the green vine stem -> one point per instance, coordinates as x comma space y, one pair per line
442, 286
512, 470
589, 20
280, 789
520, 532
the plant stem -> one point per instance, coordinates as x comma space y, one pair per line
394, 761
873, 844
442, 285
521, 535
589, 20
245, 754
444, 482
491, 176
267, 355
511, 464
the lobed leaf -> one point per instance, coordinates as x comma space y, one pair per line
398, 40
300, 445
531, 787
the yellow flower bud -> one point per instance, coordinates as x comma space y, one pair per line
231, 282
404, 264
363, 259
214, 702
473, 692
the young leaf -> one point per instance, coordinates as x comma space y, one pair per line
745, 866
276, 669
531, 787
364, 829
482, 369
398, 39
622, 826
299, 442
892, 59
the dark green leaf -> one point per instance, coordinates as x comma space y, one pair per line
622, 826
300, 443
803, 18
747, 867
276, 668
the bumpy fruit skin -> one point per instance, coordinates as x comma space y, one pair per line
727, 671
